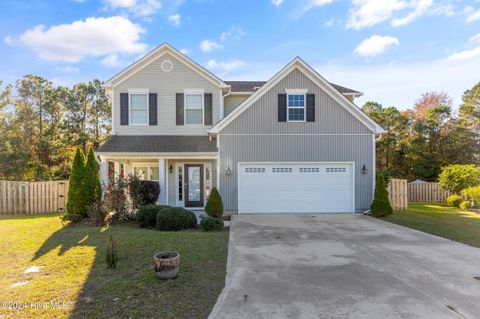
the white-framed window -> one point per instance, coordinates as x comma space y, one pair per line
138, 110
194, 108
146, 171
296, 103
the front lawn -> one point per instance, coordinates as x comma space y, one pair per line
449, 222
72, 271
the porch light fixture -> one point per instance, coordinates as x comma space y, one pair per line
364, 170
228, 171
170, 169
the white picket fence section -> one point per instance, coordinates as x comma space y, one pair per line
33, 197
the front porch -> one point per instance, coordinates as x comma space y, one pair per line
185, 180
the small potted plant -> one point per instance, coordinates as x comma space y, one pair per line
166, 265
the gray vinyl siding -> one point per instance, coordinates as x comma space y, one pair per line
166, 85
335, 136
172, 187
261, 117
232, 101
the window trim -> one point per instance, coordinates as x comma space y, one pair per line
149, 166
193, 92
138, 92
304, 107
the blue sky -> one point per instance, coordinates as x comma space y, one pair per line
392, 50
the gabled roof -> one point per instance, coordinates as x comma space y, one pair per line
252, 86
156, 53
299, 64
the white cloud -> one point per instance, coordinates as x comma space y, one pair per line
112, 61
472, 14
224, 67
68, 69
311, 4
233, 33
140, 8
277, 3
92, 37
208, 45
420, 9
185, 51
367, 13
475, 38
175, 19
464, 55
375, 45
8, 40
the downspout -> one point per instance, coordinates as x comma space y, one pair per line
222, 109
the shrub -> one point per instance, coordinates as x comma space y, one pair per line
473, 194
381, 204
211, 224
454, 201
175, 219
214, 206
465, 205
143, 192
116, 197
92, 189
74, 218
111, 255
147, 215
76, 202
97, 212
457, 177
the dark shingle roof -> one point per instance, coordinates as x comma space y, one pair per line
250, 86
158, 144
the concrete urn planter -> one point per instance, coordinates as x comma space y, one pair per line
166, 265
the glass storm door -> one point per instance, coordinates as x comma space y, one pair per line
193, 185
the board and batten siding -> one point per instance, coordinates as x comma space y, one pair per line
335, 136
232, 101
166, 85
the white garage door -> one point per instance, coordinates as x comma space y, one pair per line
295, 188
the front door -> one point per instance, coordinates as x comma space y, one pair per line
193, 185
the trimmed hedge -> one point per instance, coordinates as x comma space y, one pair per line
144, 192
175, 219
454, 201
381, 204
147, 215
214, 206
211, 224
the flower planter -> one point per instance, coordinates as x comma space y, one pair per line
166, 265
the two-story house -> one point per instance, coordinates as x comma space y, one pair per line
295, 143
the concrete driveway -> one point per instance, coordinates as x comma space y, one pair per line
344, 266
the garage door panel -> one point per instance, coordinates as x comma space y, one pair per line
303, 188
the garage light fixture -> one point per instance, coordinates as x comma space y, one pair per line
228, 171
364, 170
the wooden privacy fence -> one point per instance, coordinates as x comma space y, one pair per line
33, 197
428, 192
397, 193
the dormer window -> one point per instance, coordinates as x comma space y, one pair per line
296, 102
138, 107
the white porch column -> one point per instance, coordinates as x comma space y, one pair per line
162, 179
103, 171
116, 168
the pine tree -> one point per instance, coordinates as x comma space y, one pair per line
76, 202
381, 204
214, 206
92, 188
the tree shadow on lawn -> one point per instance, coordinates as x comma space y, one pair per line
132, 290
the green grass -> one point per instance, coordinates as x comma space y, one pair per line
449, 222
74, 271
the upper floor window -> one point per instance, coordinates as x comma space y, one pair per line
193, 108
139, 108
296, 107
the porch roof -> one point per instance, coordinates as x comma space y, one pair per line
157, 144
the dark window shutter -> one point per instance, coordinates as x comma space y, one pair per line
310, 107
152, 109
282, 107
180, 108
123, 108
208, 114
